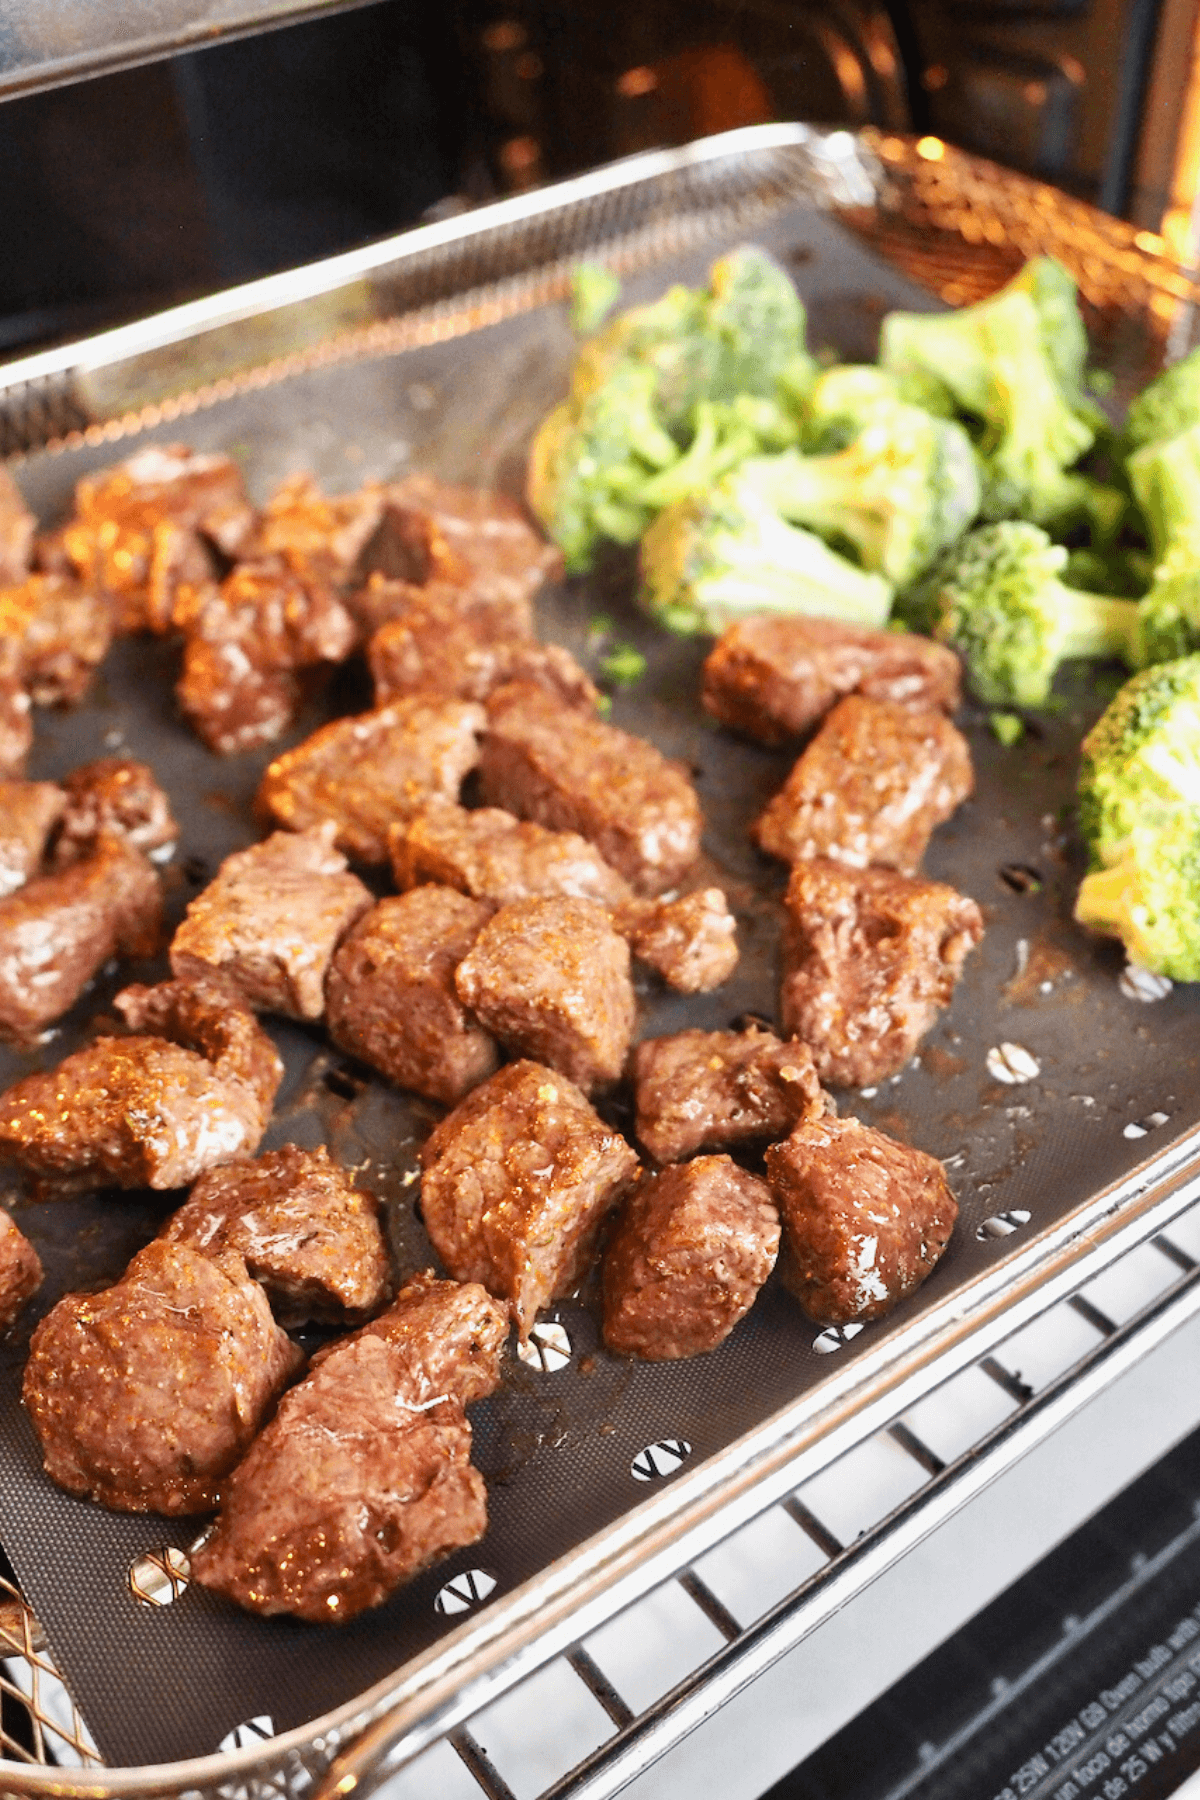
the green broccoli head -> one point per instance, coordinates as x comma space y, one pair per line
997, 597
905, 488
1165, 478
1053, 291
842, 400
595, 290
1150, 897
758, 321
1141, 760
1169, 615
1169, 405
717, 557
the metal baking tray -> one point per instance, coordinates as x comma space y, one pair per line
440, 351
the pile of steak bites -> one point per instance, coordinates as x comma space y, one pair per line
496, 980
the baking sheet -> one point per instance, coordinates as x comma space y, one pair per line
557, 1448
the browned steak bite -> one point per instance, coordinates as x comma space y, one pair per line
58, 930
870, 788
146, 526
775, 678
864, 1218
691, 942
444, 649
708, 1090
17, 526
248, 643
320, 539
573, 772
391, 999
550, 977
16, 724
146, 1395
117, 796
518, 1180
20, 1271
363, 1477
494, 856
869, 958
153, 1110
433, 531
691, 1249
29, 811
312, 1240
367, 772
271, 920
53, 636
386, 598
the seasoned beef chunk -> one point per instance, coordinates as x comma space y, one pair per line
691, 942
518, 1180
864, 1218
367, 772
550, 977
450, 1333
870, 788
869, 958
566, 769
20, 1270
707, 1090
691, 1249
29, 811
271, 920
320, 539
443, 650
155, 1110
357, 1484
145, 527
17, 526
246, 642
146, 1395
117, 796
314, 1241
386, 599
432, 531
391, 1000
53, 636
16, 724
58, 930
776, 677
494, 856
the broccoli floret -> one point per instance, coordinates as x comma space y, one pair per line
758, 321
1064, 336
1169, 616
1150, 898
905, 488
1165, 477
997, 598
1169, 405
595, 290
718, 557
843, 400
1141, 760
994, 359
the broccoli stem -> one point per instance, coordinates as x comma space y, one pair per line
1097, 625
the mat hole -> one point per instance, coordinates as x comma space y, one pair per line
1139, 984
342, 1083
1021, 878
159, 1577
833, 1337
548, 1348
251, 1732
657, 1461
469, 1589
1140, 1128
1002, 1225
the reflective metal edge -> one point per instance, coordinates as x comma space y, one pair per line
520, 1632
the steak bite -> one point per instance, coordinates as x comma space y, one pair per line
690, 1251
146, 1395
446, 649
869, 958
573, 772
59, 930
870, 788
321, 539
154, 1110
775, 677
493, 856
20, 1270
391, 999
550, 977
17, 527
472, 537
387, 598
248, 643
709, 1090
29, 811
691, 942
367, 772
518, 1180
271, 920
451, 1335
118, 797
864, 1218
313, 1241
150, 524
54, 634
363, 1477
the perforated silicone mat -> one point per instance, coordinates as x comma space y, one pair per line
558, 1447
